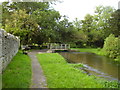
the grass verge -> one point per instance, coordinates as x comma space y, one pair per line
60, 74
18, 72
92, 50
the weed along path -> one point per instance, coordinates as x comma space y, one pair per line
38, 79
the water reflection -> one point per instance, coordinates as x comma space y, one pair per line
105, 66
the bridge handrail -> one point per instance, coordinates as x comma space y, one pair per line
59, 46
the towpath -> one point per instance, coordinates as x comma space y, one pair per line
38, 78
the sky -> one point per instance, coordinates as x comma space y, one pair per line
79, 8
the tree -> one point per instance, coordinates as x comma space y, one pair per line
77, 23
89, 29
114, 23
22, 25
47, 21
95, 27
66, 31
8, 8
101, 18
31, 20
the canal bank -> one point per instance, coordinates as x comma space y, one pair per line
60, 74
100, 66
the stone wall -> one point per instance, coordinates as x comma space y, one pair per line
9, 45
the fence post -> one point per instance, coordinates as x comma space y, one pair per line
68, 46
65, 46
50, 46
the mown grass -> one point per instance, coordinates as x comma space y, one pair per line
92, 50
18, 72
60, 74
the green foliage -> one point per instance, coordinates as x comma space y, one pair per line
112, 46
22, 25
18, 72
36, 22
96, 27
102, 16
114, 23
47, 20
73, 45
60, 74
65, 31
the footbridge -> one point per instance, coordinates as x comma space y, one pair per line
54, 46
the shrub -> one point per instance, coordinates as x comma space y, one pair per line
98, 49
73, 45
111, 46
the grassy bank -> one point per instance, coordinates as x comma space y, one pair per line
18, 72
60, 74
92, 50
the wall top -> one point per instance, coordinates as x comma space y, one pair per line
3, 33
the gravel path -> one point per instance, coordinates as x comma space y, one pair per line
38, 78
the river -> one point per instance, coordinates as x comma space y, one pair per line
100, 66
